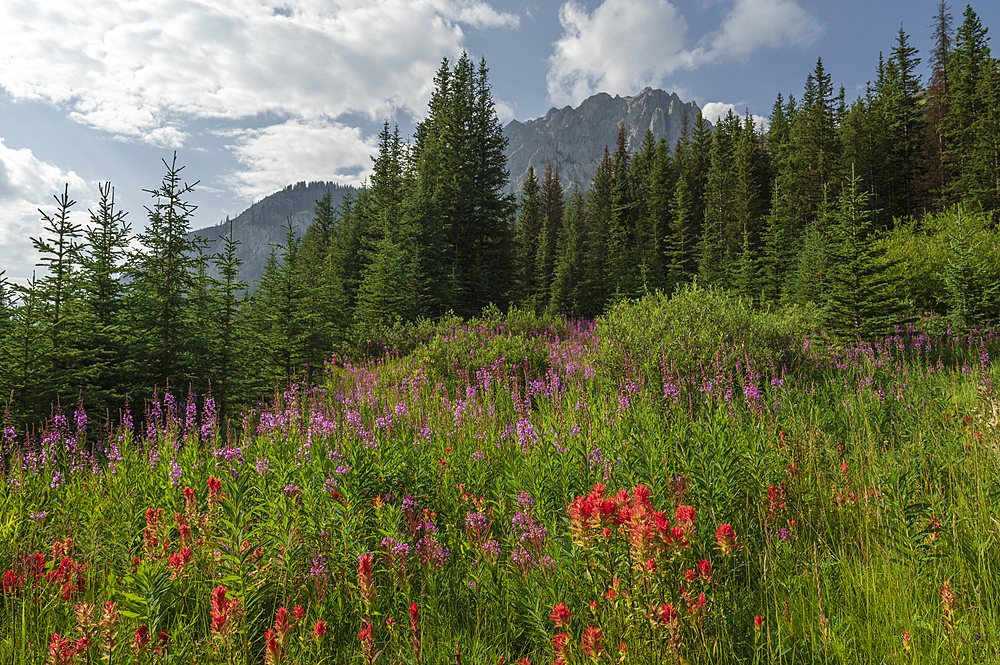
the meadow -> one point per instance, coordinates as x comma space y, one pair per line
685, 480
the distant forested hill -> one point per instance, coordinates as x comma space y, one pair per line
260, 226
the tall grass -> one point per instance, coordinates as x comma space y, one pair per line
533, 490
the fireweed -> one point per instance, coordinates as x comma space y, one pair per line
652, 518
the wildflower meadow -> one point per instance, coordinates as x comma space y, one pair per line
685, 480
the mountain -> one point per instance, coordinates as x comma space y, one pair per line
571, 138
574, 138
260, 226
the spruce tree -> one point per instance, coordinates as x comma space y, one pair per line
228, 387
101, 267
860, 297
571, 259
162, 275
59, 292
529, 229
968, 65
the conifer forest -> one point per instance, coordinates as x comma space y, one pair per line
733, 402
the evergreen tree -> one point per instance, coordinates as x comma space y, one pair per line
529, 229
571, 263
936, 108
229, 377
25, 350
860, 300
551, 204
778, 251
971, 294
595, 291
101, 270
59, 293
659, 198
968, 65
163, 274
813, 150
460, 163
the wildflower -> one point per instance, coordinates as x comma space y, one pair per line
725, 538
560, 615
705, 569
299, 613
668, 615
685, 516
319, 630
758, 622
62, 651
697, 605
140, 639
559, 646
948, 600
367, 637
162, 640
272, 655
12, 583
591, 644
907, 641
282, 626
366, 581
415, 631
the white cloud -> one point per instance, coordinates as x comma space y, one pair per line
714, 111
140, 69
624, 45
296, 150
27, 184
755, 24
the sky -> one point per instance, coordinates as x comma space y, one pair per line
255, 95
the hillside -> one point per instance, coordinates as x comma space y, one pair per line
259, 227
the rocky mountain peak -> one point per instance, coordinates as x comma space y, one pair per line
573, 139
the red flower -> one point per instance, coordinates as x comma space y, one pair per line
705, 569
140, 639
282, 626
273, 653
320, 630
758, 621
366, 580
299, 613
667, 614
591, 644
725, 538
560, 615
685, 515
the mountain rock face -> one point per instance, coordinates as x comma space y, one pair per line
260, 226
574, 138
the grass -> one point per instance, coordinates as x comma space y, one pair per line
860, 481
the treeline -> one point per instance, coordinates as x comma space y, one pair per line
868, 212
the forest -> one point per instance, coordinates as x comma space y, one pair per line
865, 213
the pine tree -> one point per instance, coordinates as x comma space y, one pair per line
459, 160
659, 197
813, 150
229, 377
101, 268
936, 108
968, 64
595, 291
551, 204
59, 292
163, 274
571, 263
25, 351
860, 300
778, 252
529, 229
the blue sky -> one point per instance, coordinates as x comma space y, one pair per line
255, 95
